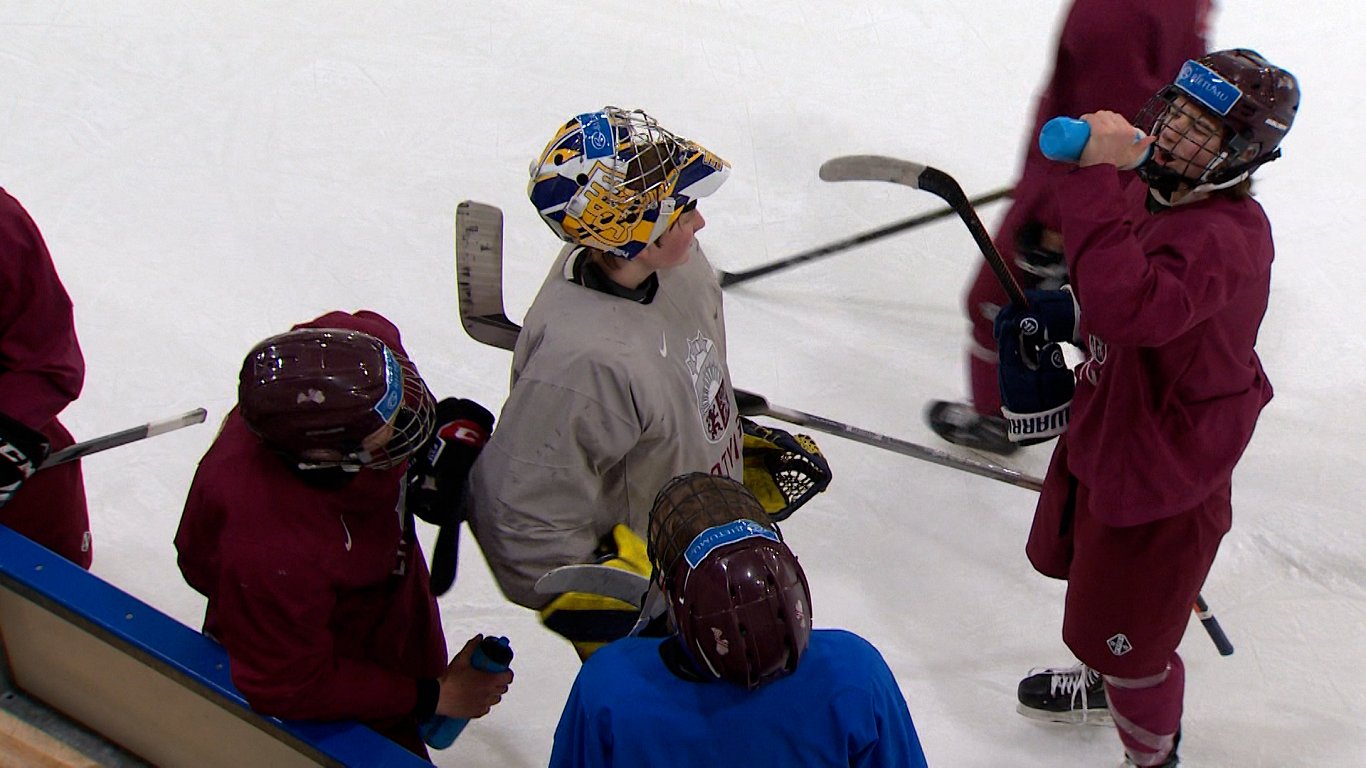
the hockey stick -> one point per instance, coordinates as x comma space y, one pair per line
479, 239
150, 429
728, 279
936, 182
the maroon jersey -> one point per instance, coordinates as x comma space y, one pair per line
1113, 55
1171, 303
41, 372
319, 594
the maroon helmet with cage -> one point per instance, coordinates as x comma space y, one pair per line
1252, 99
737, 596
335, 397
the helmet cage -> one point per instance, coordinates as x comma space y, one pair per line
615, 180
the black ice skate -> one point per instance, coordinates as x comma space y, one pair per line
960, 424
1171, 762
1065, 695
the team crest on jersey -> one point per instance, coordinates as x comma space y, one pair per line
709, 386
1119, 644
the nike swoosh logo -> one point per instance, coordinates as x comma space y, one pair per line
348, 532
663, 345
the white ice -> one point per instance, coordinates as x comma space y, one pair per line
207, 174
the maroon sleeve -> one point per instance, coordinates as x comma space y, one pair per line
41, 367
1141, 293
281, 645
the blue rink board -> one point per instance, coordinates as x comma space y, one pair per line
165, 644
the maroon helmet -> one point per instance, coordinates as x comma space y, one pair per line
335, 397
737, 596
1252, 100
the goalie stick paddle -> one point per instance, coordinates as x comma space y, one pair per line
728, 279
479, 259
618, 583
132, 435
936, 182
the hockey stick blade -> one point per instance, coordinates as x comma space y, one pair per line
752, 404
132, 435
620, 584
479, 262
729, 279
936, 182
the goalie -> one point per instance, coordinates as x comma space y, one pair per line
619, 377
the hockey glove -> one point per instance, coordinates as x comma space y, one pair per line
1044, 264
782, 470
437, 478
22, 451
1036, 384
591, 621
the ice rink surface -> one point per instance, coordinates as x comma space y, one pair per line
207, 174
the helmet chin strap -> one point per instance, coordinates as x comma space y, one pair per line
1162, 189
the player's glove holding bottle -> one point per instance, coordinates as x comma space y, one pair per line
22, 451
782, 470
1036, 384
436, 479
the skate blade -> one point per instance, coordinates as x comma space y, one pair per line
1099, 717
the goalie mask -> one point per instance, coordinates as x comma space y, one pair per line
1223, 117
330, 397
737, 596
614, 180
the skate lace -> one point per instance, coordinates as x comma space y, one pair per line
1073, 682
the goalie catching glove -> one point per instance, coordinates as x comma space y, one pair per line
782, 470
591, 621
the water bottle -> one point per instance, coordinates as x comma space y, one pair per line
493, 654
1063, 139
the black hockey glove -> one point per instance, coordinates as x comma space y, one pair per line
1036, 384
437, 476
1044, 266
782, 470
22, 451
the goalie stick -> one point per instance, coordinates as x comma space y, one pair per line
131, 435
728, 279
479, 277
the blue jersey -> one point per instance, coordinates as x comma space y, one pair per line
842, 707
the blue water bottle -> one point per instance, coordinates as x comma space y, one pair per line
493, 654
1063, 139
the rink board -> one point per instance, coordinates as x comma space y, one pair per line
75, 648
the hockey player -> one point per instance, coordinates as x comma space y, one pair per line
619, 377
1171, 273
41, 372
744, 680
295, 531
1111, 55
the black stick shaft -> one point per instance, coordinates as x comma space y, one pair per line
728, 279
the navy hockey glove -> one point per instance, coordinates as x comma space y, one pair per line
436, 479
782, 470
1036, 384
22, 451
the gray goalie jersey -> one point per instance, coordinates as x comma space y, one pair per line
610, 399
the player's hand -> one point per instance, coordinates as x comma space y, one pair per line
437, 475
1036, 384
470, 692
782, 470
1112, 141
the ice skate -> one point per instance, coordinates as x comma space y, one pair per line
960, 424
1065, 695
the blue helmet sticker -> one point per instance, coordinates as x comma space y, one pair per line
597, 135
721, 535
1207, 87
393, 388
